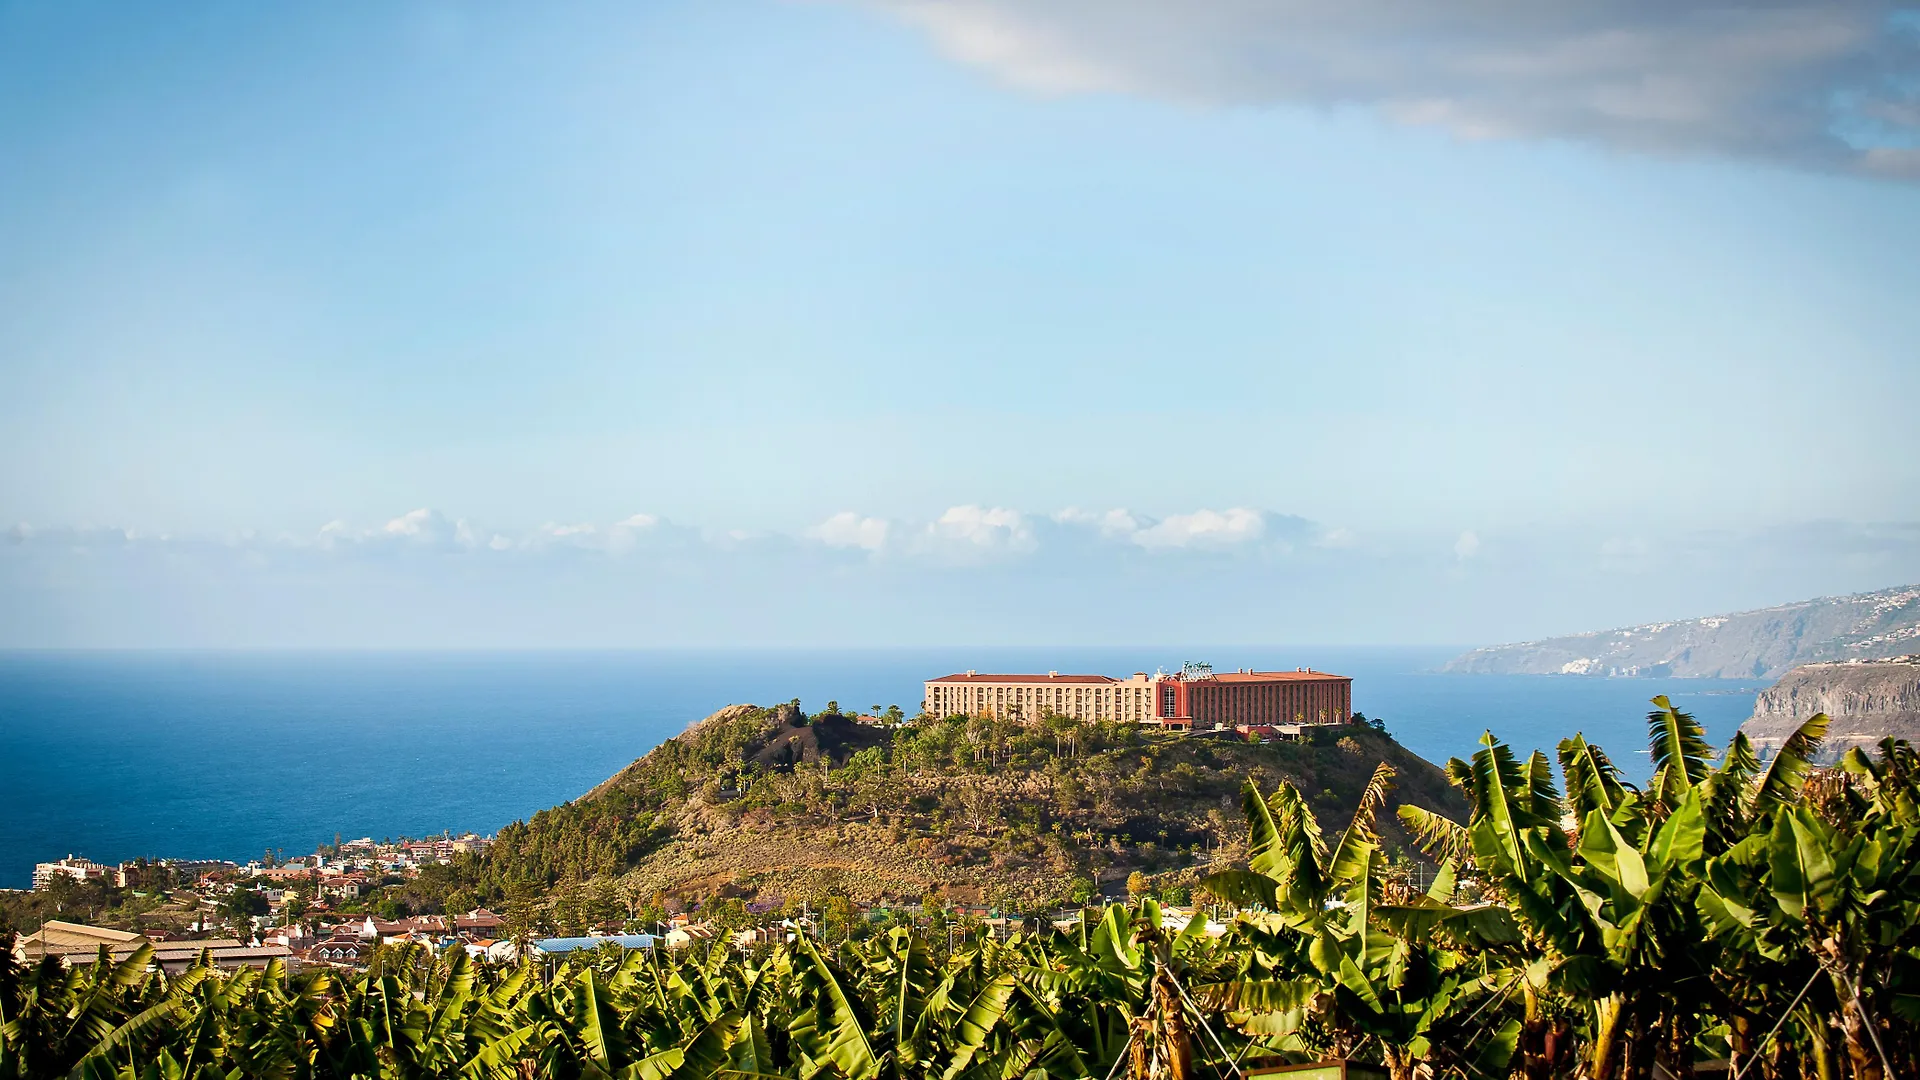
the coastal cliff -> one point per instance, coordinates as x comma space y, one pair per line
1866, 700
1766, 643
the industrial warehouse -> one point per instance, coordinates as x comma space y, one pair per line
1195, 698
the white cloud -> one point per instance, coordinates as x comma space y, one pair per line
1204, 529
624, 535
1109, 523
847, 529
978, 573
1821, 82
582, 535
417, 524
420, 528
980, 529
428, 529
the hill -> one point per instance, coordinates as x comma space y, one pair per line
1743, 645
769, 804
1867, 700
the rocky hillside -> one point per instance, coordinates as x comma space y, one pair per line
768, 804
1747, 644
1866, 700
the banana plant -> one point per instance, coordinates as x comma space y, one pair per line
1600, 887
1833, 883
1325, 950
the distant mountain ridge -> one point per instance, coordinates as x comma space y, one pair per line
1743, 645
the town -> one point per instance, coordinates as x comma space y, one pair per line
311, 912
317, 909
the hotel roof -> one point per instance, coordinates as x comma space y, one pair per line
1276, 676
1105, 680
1101, 680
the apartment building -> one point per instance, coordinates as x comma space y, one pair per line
76, 868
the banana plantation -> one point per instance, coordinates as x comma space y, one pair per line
1730, 917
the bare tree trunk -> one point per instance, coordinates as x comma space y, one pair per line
1676, 1049
1642, 1045
1137, 1064
1740, 1040
1173, 1022
1166, 1016
1862, 1055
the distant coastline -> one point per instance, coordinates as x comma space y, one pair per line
1762, 644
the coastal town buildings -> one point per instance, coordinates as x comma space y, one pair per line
478, 924
350, 944
78, 943
131, 874
294, 872
72, 867
692, 933
339, 950
410, 852
1195, 698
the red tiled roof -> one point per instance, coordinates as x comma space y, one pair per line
1275, 676
1096, 679
1104, 680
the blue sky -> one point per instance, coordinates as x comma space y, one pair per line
372, 324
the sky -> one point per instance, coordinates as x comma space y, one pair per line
906, 322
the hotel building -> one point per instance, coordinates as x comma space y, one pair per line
1030, 697
1194, 698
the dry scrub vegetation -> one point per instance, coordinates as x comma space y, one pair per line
770, 803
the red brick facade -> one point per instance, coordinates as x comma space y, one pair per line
1254, 697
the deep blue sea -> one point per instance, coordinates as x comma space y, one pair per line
113, 755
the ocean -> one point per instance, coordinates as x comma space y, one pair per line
114, 755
